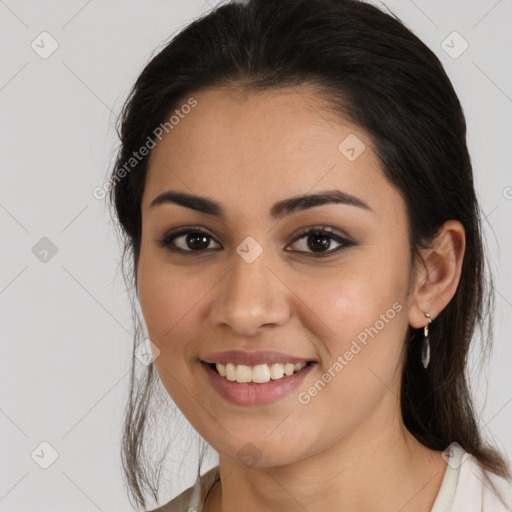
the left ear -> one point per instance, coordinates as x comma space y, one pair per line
437, 279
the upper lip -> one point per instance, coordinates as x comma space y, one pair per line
252, 358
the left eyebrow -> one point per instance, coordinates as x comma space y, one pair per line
298, 203
278, 210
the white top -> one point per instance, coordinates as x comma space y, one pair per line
466, 487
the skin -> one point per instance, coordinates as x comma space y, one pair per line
347, 449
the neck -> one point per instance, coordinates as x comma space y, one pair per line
381, 466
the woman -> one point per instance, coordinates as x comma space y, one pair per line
297, 202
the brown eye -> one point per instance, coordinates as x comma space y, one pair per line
188, 241
319, 240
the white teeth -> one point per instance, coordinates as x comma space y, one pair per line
230, 371
276, 371
221, 368
243, 373
289, 368
260, 373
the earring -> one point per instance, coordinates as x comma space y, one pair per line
425, 349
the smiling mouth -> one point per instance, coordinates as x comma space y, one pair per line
259, 374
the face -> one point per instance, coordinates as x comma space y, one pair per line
254, 281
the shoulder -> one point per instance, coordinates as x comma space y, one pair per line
193, 497
479, 490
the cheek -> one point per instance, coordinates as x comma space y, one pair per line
365, 314
340, 304
359, 314
168, 300
168, 303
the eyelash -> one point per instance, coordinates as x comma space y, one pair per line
167, 240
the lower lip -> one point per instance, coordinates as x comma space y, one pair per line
252, 393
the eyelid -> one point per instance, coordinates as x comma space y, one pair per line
165, 241
338, 236
333, 233
323, 228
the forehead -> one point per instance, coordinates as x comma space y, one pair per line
256, 148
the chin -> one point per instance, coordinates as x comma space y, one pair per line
262, 452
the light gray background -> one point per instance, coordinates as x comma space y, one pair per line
65, 324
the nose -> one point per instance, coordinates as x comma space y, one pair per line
250, 298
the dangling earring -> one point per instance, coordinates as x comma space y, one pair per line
425, 349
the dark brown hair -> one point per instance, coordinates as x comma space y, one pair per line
376, 73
